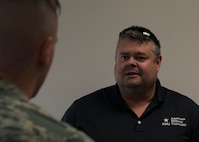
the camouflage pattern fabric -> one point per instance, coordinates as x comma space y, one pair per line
22, 121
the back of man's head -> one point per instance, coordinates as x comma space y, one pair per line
26, 26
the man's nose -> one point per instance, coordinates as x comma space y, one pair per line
132, 62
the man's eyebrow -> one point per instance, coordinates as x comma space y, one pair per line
140, 53
124, 53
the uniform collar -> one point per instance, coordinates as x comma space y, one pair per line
8, 89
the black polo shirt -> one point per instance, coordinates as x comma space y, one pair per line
104, 116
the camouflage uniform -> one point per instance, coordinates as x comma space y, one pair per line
22, 121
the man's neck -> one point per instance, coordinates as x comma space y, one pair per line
138, 99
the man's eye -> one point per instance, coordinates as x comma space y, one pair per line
141, 58
123, 58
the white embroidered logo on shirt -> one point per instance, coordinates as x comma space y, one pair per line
174, 121
166, 122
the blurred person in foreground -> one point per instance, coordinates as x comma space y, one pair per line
137, 108
27, 41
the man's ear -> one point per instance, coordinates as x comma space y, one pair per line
159, 61
47, 51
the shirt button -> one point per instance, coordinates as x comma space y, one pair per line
139, 122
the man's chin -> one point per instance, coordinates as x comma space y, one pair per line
133, 85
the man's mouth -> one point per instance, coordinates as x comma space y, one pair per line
132, 73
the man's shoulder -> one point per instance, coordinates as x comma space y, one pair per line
100, 93
173, 95
20, 121
40, 134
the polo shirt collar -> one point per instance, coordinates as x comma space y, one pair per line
117, 99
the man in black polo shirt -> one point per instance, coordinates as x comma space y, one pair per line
137, 108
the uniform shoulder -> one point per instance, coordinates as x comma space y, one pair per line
22, 120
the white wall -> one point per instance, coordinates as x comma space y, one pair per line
88, 33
